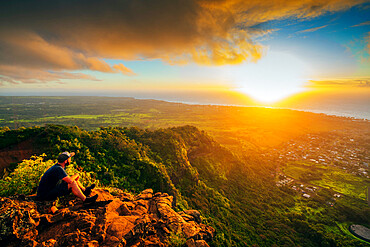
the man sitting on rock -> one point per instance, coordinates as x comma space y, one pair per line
55, 182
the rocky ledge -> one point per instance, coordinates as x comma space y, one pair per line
123, 220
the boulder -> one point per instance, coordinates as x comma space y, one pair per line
191, 215
196, 243
146, 194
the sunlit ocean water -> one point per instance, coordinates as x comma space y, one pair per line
354, 113
357, 107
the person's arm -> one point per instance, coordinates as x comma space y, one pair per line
70, 180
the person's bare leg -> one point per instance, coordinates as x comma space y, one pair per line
81, 186
76, 190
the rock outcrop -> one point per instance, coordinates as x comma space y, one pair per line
124, 220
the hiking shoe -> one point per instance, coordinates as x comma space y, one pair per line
88, 190
91, 199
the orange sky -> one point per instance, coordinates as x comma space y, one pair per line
265, 50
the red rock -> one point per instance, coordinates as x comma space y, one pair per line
114, 206
18, 220
196, 243
190, 230
48, 243
119, 227
103, 195
144, 221
131, 218
124, 210
126, 197
93, 243
146, 194
130, 205
193, 215
139, 210
141, 202
114, 241
158, 194
190, 243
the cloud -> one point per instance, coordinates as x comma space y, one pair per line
16, 75
312, 29
29, 50
34, 58
123, 69
340, 83
66, 35
366, 23
360, 48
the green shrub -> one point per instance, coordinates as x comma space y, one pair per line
27, 176
176, 239
86, 178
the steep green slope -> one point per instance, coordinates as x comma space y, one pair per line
237, 197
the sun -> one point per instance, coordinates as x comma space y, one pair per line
275, 77
270, 97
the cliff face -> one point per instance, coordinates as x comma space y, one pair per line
123, 220
16, 153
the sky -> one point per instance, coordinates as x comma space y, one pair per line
199, 51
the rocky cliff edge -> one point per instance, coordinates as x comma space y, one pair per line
124, 220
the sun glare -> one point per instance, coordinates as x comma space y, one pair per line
275, 77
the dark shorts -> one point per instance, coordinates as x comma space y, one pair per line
60, 189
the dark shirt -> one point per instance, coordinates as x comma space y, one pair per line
50, 179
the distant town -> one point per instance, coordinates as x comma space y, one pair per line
348, 152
